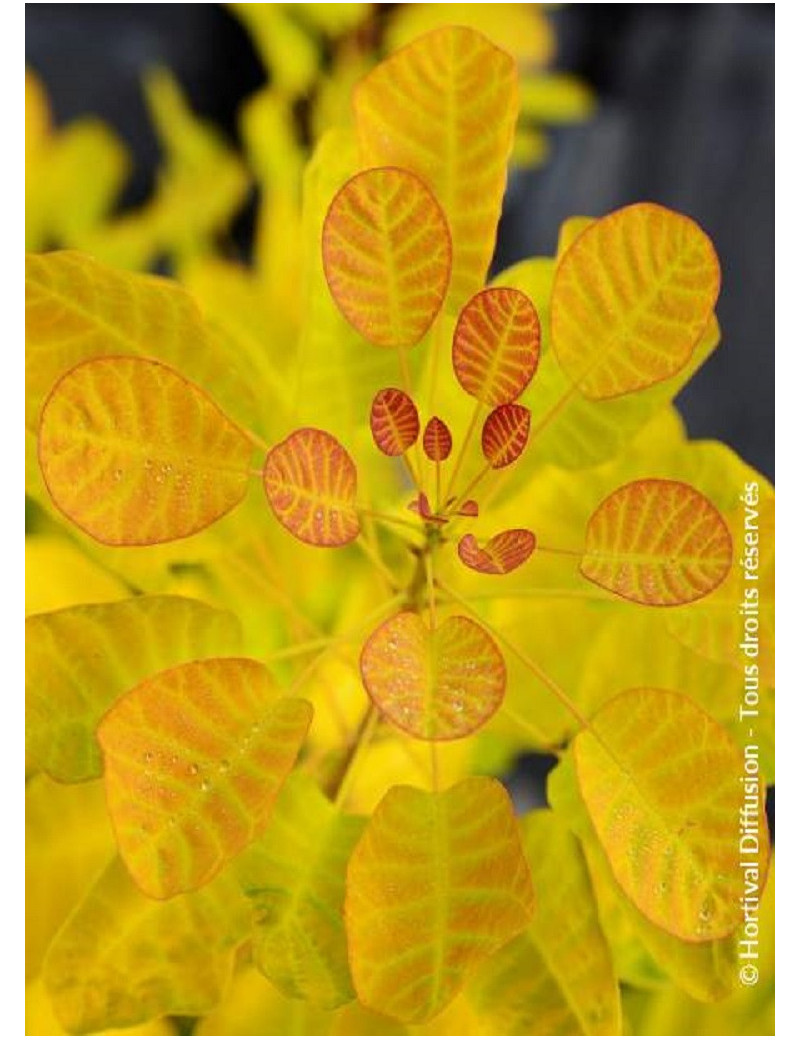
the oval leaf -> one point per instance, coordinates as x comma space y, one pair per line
310, 481
134, 454
445, 107
437, 685
394, 421
660, 779
194, 758
386, 253
657, 542
79, 660
122, 958
436, 884
505, 434
496, 345
501, 554
437, 441
632, 297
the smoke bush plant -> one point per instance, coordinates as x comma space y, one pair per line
357, 571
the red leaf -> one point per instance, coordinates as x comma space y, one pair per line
501, 554
394, 421
505, 434
469, 508
437, 440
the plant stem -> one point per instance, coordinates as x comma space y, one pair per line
355, 753
462, 454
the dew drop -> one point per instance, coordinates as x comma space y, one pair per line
205, 785
391, 644
458, 706
148, 463
118, 474
148, 756
706, 912
194, 769
224, 765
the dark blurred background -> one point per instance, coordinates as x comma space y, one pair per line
685, 117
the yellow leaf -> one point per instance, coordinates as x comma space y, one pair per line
657, 542
40, 1019
660, 779
68, 841
436, 884
122, 958
194, 759
554, 98
289, 54
79, 660
467, 89
386, 252
134, 454
295, 876
632, 297
77, 309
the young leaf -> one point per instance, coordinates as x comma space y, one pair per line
436, 685
134, 454
310, 482
558, 977
469, 508
437, 441
436, 884
295, 876
386, 253
122, 958
77, 309
660, 779
466, 89
505, 434
657, 542
501, 554
496, 345
79, 660
632, 297
422, 507
394, 421
194, 759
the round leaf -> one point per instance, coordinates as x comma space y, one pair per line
657, 542
394, 421
661, 781
437, 883
437, 441
310, 481
501, 554
194, 758
437, 684
134, 454
632, 297
496, 345
386, 253
505, 434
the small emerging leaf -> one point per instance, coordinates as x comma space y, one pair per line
437, 883
444, 107
505, 434
422, 507
496, 345
194, 758
660, 779
436, 685
310, 481
469, 508
386, 253
632, 297
134, 454
394, 421
501, 554
657, 542
437, 441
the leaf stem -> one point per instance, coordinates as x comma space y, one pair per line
387, 518
465, 442
355, 753
374, 558
469, 488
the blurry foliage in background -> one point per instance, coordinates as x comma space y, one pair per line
537, 927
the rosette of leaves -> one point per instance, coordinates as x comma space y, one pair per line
355, 573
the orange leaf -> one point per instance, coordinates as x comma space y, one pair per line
422, 507
501, 554
310, 481
436, 884
194, 759
437, 684
658, 542
496, 345
437, 441
632, 297
661, 781
469, 508
394, 421
505, 434
444, 107
134, 454
386, 253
